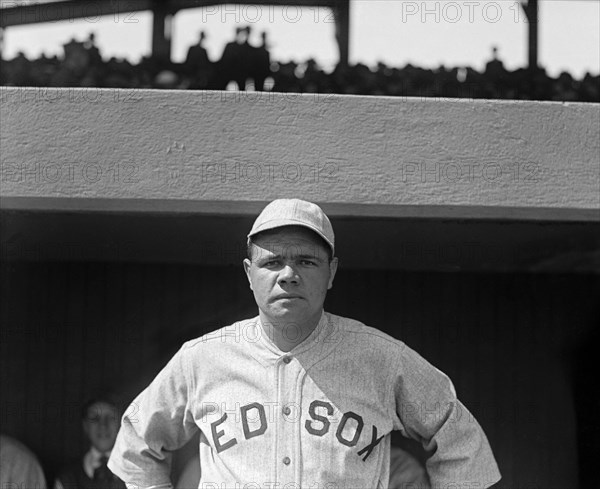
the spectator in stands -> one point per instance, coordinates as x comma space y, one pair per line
494, 67
566, 87
19, 467
231, 66
21, 70
166, 79
285, 77
198, 66
259, 63
590, 88
100, 421
94, 53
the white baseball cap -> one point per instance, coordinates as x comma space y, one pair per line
294, 212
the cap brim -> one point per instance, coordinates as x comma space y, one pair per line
279, 223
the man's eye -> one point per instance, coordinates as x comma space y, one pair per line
272, 263
307, 262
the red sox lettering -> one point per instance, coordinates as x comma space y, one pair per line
319, 424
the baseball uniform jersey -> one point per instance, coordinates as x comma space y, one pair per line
318, 416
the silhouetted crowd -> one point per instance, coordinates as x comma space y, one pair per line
247, 67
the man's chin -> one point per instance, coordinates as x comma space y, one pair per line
103, 447
287, 314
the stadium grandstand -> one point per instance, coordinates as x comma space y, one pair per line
250, 67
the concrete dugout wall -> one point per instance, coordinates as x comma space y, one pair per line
216, 152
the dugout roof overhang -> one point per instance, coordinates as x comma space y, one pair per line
411, 184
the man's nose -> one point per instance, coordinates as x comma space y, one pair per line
288, 274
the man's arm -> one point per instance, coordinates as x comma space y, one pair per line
157, 422
429, 412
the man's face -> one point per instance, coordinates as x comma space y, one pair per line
290, 274
101, 425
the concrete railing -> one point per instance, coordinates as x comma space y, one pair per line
230, 152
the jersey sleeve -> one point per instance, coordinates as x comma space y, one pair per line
157, 422
428, 411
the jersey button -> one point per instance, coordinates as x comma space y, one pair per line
287, 360
286, 460
287, 411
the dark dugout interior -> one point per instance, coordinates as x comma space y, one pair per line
98, 302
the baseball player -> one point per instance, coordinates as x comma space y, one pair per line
297, 397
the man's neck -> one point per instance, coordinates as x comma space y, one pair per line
286, 335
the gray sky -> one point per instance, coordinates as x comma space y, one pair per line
424, 33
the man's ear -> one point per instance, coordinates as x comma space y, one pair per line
333, 264
247, 264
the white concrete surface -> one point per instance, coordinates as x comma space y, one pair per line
230, 152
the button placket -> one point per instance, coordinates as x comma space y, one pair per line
287, 429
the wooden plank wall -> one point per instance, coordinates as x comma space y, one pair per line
518, 347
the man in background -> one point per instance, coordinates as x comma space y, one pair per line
100, 422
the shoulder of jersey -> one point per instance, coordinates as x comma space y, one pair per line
229, 334
355, 331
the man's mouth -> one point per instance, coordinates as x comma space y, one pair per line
286, 297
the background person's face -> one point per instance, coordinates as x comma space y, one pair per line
290, 274
101, 426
